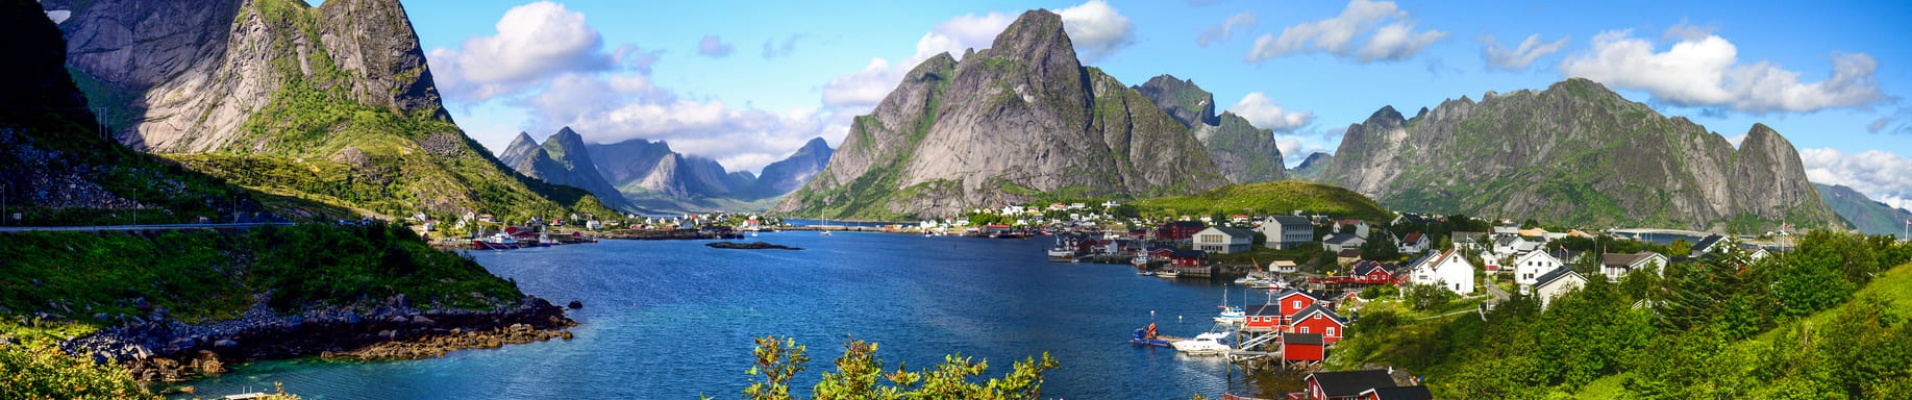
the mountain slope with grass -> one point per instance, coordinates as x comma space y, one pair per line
1278, 197
1002, 126
1576, 154
333, 104
1865, 214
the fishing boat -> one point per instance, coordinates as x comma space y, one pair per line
1206, 344
1145, 272
1230, 315
497, 241
1168, 274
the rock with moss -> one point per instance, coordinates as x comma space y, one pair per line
1241, 152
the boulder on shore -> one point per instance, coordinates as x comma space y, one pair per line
750, 246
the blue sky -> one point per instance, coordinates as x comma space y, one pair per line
746, 83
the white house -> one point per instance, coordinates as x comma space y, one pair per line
1555, 283
1284, 266
1287, 231
1449, 270
1224, 240
1414, 243
1360, 227
1343, 241
1615, 266
1508, 245
1529, 266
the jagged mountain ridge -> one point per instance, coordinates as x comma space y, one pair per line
1004, 125
563, 159
1865, 214
1579, 154
650, 173
1241, 152
1311, 167
335, 103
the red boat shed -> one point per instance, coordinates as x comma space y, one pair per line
1301, 347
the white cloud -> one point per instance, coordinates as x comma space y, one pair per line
868, 86
1706, 72
714, 47
1686, 32
1097, 30
1265, 113
1498, 56
1227, 29
1900, 122
534, 41
1883, 176
1736, 140
1388, 29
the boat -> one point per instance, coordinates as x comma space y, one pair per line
1168, 274
1147, 337
1230, 315
1206, 344
1145, 272
497, 241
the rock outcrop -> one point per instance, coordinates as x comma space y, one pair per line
1576, 154
1311, 167
1241, 152
786, 175
1004, 124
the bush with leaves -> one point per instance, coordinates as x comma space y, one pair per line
860, 374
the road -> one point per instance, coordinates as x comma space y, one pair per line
116, 228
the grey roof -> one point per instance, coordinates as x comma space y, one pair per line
1624, 260
1351, 383
1233, 232
1303, 313
1290, 220
1263, 310
1399, 393
1557, 273
1706, 243
1301, 338
1506, 241
1341, 238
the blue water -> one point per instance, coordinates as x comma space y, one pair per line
675, 319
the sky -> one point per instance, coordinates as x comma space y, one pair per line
746, 84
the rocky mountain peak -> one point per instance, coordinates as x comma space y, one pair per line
1036, 36
1182, 99
520, 147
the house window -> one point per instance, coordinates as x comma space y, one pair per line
1304, 329
1330, 331
1297, 303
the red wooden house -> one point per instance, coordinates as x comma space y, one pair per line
1188, 258
1370, 271
1301, 347
1397, 393
1262, 318
1318, 319
1180, 231
1293, 301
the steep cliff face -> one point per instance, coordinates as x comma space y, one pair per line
1241, 152
1579, 154
1004, 125
335, 102
785, 176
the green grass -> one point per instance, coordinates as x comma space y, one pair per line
1278, 197
204, 275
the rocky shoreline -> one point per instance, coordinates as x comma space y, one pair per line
749, 246
170, 350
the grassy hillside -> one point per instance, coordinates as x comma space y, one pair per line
1278, 197
200, 275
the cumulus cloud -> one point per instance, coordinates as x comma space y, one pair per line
714, 47
1265, 113
1706, 72
533, 41
1885, 177
1097, 30
773, 50
1227, 29
1498, 56
1686, 32
1388, 30
866, 87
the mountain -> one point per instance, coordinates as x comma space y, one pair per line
1576, 154
1277, 197
332, 103
1311, 167
785, 176
1865, 214
1007, 124
1241, 152
563, 159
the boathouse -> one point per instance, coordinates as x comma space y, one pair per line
1301, 347
1348, 385
1318, 319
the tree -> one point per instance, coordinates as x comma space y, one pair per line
1260, 240
1425, 297
1680, 248
1530, 223
1380, 249
860, 374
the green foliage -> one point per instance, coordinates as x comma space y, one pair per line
1381, 248
860, 374
1426, 297
1279, 197
203, 275
37, 372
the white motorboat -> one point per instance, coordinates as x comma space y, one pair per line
1168, 274
1231, 315
1206, 344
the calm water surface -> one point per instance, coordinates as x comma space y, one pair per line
675, 319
